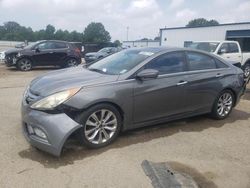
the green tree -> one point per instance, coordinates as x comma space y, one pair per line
2, 32
11, 27
117, 43
201, 22
95, 32
59, 34
76, 37
49, 32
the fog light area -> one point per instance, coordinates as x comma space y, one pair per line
40, 133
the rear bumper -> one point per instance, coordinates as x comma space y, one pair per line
242, 91
56, 127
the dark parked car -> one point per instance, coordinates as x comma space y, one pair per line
44, 53
94, 56
130, 89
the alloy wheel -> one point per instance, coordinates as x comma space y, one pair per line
100, 126
25, 64
71, 62
225, 104
247, 71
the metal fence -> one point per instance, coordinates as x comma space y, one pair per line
5, 45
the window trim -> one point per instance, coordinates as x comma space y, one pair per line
187, 71
51, 48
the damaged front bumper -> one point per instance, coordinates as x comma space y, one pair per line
47, 132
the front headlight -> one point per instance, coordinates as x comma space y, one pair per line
52, 101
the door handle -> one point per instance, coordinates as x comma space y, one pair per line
219, 75
181, 83
51, 52
228, 57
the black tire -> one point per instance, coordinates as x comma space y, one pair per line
246, 70
84, 117
71, 62
24, 64
217, 106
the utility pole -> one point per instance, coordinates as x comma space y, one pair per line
127, 32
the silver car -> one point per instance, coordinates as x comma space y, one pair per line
127, 90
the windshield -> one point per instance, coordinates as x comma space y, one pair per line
204, 46
120, 62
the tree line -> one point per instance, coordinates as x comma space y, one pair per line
93, 33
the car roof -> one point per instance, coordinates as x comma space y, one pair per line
53, 41
157, 49
216, 41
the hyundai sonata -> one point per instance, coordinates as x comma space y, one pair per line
127, 90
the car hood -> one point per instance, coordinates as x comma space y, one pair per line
60, 80
14, 50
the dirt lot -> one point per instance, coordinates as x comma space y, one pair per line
217, 151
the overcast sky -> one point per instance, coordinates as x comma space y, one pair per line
143, 17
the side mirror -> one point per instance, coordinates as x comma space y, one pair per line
222, 51
147, 74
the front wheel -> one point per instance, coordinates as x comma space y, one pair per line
247, 70
24, 64
223, 105
101, 125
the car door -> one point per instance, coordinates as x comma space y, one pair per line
235, 52
165, 95
43, 53
60, 52
203, 81
230, 51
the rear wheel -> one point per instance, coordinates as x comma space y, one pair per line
223, 105
101, 125
72, 62
24, 64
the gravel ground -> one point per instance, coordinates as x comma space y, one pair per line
215, 153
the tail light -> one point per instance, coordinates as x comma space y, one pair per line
77, 51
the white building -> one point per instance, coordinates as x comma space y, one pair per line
139, 43
183, 36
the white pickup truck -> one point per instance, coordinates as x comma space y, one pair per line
229, 50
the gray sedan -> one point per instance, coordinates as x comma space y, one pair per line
127, 90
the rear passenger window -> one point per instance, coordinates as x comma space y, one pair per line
233, 48
168, 63
59, 45
199, 61
220, 64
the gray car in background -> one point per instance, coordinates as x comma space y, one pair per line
130, 89
104, 52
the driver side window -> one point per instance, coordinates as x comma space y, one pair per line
45, 46
224, 48
168, 63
